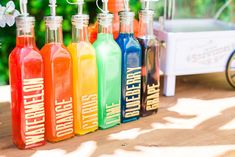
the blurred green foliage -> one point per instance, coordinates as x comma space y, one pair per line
39, 9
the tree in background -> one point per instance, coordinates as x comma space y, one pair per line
39, 9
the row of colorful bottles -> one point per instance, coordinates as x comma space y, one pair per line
58, 92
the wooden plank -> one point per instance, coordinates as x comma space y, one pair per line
198, 121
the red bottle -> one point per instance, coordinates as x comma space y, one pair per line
27, 87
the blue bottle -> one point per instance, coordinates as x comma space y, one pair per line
131, 69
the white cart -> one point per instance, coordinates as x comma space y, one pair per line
193, 46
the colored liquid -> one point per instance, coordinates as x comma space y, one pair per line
150, 77
93, 31
85, 87
131, 77
26, 80
58, 92
108, 55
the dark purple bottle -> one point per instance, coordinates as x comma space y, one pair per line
150, 64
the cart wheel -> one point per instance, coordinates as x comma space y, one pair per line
230, 70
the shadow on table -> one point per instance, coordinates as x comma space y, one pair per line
200, 114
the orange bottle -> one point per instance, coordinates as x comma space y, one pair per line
58, 83
114, 6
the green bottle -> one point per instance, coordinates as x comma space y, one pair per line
108, 55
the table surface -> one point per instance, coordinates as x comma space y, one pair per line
198, 121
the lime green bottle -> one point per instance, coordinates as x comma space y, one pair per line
108, 55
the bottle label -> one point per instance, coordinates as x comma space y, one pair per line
113, 113
152, 97
89, 111
133, 85
64, 117
33, 97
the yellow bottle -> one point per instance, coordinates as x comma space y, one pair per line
84, 77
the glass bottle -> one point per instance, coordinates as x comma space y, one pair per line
85, 84
27, 87
131, 68
150, 64
108, 55
58, 83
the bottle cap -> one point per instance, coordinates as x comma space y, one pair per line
145, 12
25, 23
25, 18
53, 18
146, 15
80, 16
105, 16
53, 22
126, 16
80, 20
105, 19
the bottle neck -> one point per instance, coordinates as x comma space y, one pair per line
25, 36
80, 28
105, 29
146, 27
54, 29
54, 34
105, 23
126, 25
79, 33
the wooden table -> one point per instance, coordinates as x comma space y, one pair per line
199, 121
